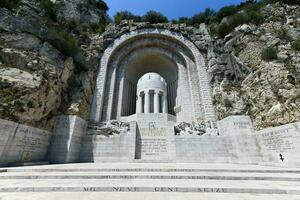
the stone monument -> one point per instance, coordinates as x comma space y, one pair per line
152, 103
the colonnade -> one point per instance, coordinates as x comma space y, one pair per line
145, 104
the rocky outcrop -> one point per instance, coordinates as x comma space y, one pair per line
243, 83
42, 75
39, 78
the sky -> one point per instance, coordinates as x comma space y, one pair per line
170, 8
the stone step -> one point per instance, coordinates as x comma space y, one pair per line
143, 195
139, 185
153, 175
151, 170
135, 180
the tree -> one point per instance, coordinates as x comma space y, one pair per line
101, 5
125, 15
154, 17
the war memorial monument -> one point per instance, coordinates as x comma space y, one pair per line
152, 130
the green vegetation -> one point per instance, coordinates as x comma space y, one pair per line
126, 15
202, 17
67, 45
269, 54
68, 37
154, 17
296, 45
151, 16
49, 8
99, 4
10, 4
237, 19
98, 28
290, 2
283, 34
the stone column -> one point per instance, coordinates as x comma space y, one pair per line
147, 101
156, 101
139, 103
165, 103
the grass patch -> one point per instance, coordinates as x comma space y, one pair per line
98, 28
9, 4
49, 8
296, 45
269, 54
68, 37
283, 34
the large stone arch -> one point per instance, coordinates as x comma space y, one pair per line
193, 94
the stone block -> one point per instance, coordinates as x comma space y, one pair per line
67, 139
98, 148
233, 125
20, 143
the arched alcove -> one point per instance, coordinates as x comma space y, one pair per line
145, 62
151, 50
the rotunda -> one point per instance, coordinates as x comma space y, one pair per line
151, 94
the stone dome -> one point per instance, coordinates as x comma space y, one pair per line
152, 81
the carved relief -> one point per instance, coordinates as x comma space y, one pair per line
112, 127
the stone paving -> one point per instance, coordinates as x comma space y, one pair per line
149, 181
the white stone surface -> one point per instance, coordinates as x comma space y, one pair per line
20, 143
99, 148
151, 93
233, 125
278, 145
109, 91
155, 137
150, 181
67, 138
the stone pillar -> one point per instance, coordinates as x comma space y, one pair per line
139, 103
147, 101
165, 103
156, 101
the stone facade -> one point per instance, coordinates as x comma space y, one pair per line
21, 144
187, 130
190, 73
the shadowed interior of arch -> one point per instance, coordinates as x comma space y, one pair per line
149, 62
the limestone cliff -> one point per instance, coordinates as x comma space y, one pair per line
49, 61
243, 83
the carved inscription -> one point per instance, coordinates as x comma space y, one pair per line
151, 147
242, 124
154, 189
145, 132
279, 140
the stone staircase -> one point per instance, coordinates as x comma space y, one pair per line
150, 181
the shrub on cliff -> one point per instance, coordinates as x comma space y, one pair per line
9, 4
49, 8
101, 5
290, 2
154, 17
296, 45
237, 19
269, 54
68, 46
125, 15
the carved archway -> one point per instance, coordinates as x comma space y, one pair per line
161, 51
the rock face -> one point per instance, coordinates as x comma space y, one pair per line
243, 83
39, 79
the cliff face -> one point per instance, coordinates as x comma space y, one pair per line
243, 83
48, 64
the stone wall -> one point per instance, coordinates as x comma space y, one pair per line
67, 139
279, 145
21, 144
117, 147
